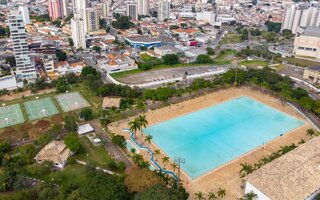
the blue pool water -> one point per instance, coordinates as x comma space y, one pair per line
213, 136
130, 146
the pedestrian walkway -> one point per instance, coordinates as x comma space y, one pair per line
151, 155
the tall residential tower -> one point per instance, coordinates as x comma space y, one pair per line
24, 68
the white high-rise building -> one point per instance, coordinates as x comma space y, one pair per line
106, 9
206, 16
163, 10
79, 7
301, 15
78, 32
24, 68
92, 20
132, 11
65, 8
143, 7
25, 14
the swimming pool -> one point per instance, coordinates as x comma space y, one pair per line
211, 137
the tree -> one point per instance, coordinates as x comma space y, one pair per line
3, 31
99, 185
287, 33
210, 51
72, 142
245, 170
71, 43
134, 125
142, 121
62, 85
96, 48
61, 55
221, 193
86, 114
203, 59
199, 196
70, 123
139, 179
57, 23
212, 196
273, 26
89, 71
170, 59
156, 153
148, 139
165, 160
159, 191
119, 140
174, 166
250, 196
310, 132
123, 22
11, 61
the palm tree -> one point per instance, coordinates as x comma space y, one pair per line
142, 123
221, 193
310, 132
199, 196
137, 159
148, 139
156, 153
165, 160
245, 170
132, 151
134, 126
250, 196
212, 196
174, 166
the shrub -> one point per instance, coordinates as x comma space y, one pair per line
119, 140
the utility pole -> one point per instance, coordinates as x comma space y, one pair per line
179, 161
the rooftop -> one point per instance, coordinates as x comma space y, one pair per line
312, 31
55, 151
293, 176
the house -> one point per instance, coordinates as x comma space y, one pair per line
116, 63
164, 50
56, 152
64, 67
111, 102
312, 74
293, 176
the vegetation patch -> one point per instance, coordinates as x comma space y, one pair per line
254, 63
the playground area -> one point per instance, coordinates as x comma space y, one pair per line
40, 108
71, 101
10, 115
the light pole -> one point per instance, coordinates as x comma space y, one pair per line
179, 161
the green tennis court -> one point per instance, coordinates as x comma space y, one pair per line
71, 101
10, 115
40, 108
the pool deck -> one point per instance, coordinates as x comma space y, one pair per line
226, 176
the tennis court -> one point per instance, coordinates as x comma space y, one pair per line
10, 115
71, 101
40, 108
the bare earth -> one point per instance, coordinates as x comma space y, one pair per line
227, 176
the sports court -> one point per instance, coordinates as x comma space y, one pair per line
40, 108
10, 115
71, 101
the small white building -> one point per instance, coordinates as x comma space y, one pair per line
8, 82
84, 129
164, 50
293, 176
56, 152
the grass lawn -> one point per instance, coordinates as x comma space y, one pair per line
221, 58
301, 62
158, 67
146, 58
70, 174
254, 63
231, 38
96, 155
